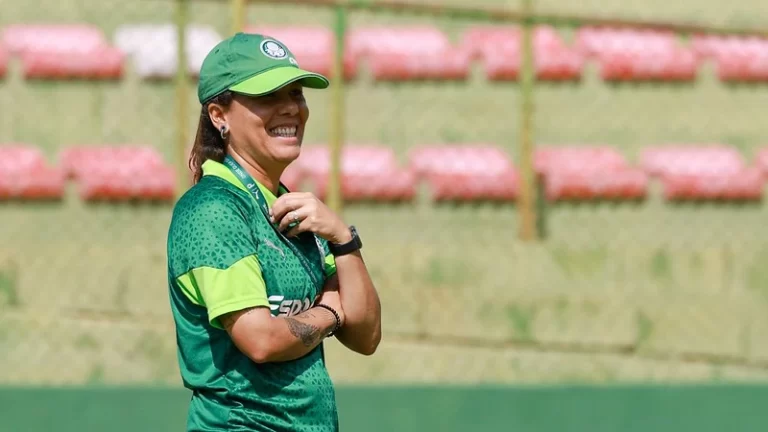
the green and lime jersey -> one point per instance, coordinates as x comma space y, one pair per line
224, 256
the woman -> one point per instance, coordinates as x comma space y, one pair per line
260, 276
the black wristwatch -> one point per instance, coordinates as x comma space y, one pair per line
347, 248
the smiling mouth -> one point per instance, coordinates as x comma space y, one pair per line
284, 131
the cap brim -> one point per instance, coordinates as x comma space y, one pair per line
277, 78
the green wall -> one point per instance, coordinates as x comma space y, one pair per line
418, 409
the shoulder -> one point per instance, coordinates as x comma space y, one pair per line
211, 200
209, 227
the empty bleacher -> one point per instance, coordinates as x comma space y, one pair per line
393, 53
470, 172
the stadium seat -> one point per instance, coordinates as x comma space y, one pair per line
638, 55
761, 160
83, 160
706, 159
119, 173
63, 52
152, 184
399, 53
588, 173
465, 172
25, 174
737, 58
702, 172
313, 46
3, 61
500, 48
417, 39
577, 158
448, 64
369, 173
746, 184
152, 48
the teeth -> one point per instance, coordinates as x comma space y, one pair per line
286, 132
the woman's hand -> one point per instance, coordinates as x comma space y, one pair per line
311, 214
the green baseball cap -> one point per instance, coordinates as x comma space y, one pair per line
252, 64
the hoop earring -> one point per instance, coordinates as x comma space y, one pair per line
224, 133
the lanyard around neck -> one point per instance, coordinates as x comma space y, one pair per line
261, 201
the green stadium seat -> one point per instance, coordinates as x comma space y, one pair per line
152, 48
466, 172
313, 46
500, 48
50, 51
369, 173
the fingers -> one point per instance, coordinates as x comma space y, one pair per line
287, 203
298, 229
292, 219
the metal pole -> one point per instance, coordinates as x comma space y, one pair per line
527, 203
182, 106
334, 197
239, 15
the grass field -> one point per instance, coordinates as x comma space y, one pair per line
648, 291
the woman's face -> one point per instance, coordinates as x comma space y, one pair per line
269, 128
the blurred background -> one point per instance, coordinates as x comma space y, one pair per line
564, 216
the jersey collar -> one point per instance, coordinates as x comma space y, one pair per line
217, 169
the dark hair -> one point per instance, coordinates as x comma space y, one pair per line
208, 142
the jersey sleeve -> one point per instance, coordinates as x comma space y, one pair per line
214, 246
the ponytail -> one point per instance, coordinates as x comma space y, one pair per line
208, 142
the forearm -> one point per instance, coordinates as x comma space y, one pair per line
361, 304
283, 338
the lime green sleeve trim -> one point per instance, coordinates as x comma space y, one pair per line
240, 286
330, 265
189, 287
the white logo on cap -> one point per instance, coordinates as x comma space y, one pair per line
273, 49
293, 61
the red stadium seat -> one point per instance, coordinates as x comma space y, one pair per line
154, 184
119, 173
19, 157
499, 47
313, 46
465, 172
713, 159
612, 184
737, 58
746, 184
3, 61
63, 51
421, 39
25, 174
101, 63
588, 173
761, 160
448, 64
398, 53
638, 55
369, 173
577, 159
84, 160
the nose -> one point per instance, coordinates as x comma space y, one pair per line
288, 107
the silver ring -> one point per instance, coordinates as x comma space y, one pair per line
295, 217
